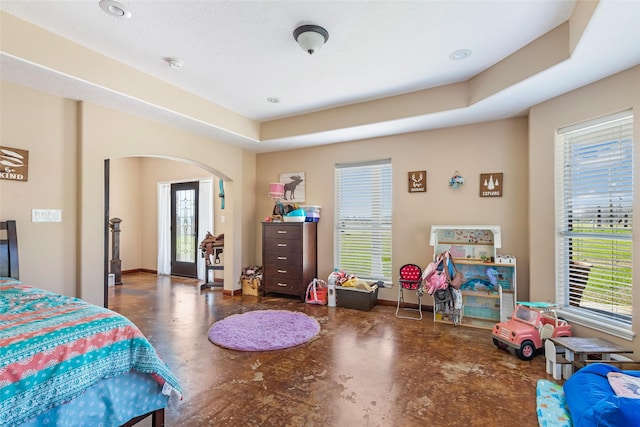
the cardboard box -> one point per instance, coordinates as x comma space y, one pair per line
358, 299
251, 286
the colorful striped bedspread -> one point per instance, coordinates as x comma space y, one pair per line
52, 347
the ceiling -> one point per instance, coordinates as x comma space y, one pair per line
237, 54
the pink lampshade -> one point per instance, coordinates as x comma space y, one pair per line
276, 190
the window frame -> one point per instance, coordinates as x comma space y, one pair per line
583, 161
377, 219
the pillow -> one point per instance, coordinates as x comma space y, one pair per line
624, 385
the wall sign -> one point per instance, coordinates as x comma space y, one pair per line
294, 187
417, 182
14, 164
491, 184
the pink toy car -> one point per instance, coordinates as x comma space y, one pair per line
527, 329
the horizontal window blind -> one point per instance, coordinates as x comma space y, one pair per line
363, 219
594, 172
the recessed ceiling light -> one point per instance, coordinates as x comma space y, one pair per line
273, 100
114, 8
460, 54
174, 63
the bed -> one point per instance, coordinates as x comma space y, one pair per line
66, 362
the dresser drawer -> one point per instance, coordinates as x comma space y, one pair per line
283, 232
278, 246
281, 285
293, 258
282, 272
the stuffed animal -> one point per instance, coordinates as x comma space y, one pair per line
492, 274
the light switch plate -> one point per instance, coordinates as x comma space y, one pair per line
46, 215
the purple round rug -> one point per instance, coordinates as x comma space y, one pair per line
262, 330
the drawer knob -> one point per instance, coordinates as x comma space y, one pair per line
282, 257
282, 271
282, 284
282, 245
282, 231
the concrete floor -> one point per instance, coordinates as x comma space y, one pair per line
363, 369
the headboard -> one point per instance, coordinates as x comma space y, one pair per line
9, 250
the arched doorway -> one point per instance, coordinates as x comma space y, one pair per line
133, 194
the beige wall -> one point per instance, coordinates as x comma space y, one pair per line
613, 94
68, 143
499, 146
45, 126
68, 146
156, 171
137, 137
125, 202
134, 199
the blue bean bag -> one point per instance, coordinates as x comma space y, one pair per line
592, 402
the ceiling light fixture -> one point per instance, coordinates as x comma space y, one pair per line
310, 37
114, 8
273, 100
460, 54
176, 64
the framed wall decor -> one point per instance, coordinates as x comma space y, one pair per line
417, 181
14, 164
491, 184
294, 187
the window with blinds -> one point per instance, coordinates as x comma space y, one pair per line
363, 219
594, 212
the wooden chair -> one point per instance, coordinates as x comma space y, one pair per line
212, 247
578, 278
553, 360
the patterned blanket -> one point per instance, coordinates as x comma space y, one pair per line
52, 347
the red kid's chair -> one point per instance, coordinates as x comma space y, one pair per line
410, 280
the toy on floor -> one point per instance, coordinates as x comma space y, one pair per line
551, 406
529, 325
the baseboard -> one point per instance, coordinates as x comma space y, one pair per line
139, 270
231, 292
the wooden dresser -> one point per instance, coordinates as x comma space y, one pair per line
288, 257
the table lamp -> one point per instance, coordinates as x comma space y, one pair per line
276, 192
